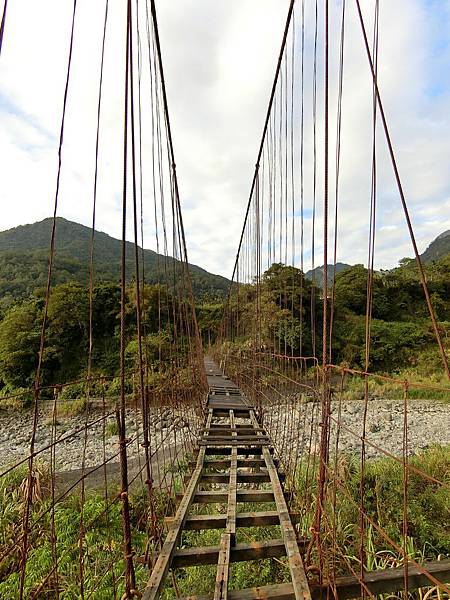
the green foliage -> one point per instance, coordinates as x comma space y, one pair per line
112, 428
72, 408
103, 561
19, 344
156, 348
67, 338
284, 316
209, 318
392, 344
282, 312
24, 262
428, 504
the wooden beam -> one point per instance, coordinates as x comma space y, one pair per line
219, 445
159, 572
208, 555
243, 450
378, 582
220, 497
388, 580
279, 591
232, 489
239, 426
242, 463
261, 477
298, 574
212, 437
228, 538
240, 430
244, 519
222, 411
223, 568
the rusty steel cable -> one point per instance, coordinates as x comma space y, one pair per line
37, 378
286, 371
398, 180
267, 368
2, 26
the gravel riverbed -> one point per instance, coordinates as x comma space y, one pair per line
166, 430
428, 424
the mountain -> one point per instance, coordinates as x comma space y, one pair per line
317, 273
24, 260
438, 248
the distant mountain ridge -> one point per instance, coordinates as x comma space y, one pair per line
438, 248
24, 259
317, 273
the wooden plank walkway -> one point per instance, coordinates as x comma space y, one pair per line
241, 453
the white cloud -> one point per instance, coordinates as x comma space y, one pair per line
219, 60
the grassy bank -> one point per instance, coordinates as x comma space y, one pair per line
428, 531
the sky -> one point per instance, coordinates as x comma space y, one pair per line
219, 60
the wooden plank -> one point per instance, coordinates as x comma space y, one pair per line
298, 575
222, 411
227, 387
378, 582
261, 477
388, 580
219, 428
278, 591
221, 497
208, 555
159, 572
212, 437
219, 445
239, 426
227, 395
243, 519
241, 477
242, 463
223, 568
241, 450
232, 489
220, 402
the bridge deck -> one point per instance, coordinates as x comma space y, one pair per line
233, 450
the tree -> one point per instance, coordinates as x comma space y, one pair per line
19, 344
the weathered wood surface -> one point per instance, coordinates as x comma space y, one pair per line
208, 555
378, 582
243, 519
241, 450
241, 477
244, 463
220, 497
159, 572
298, 574
223, 568
239, 447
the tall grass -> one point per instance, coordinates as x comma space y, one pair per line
428, 512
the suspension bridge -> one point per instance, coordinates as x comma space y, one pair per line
237, 458
232, 430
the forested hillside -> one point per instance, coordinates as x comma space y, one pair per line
438, 248
67, 335
290, 310
24, 261
317, 273
290, 313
